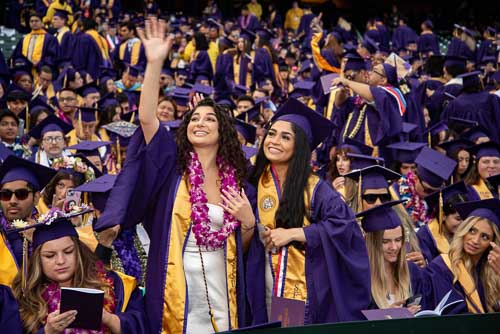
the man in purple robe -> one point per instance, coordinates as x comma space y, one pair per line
427, 41
404, 36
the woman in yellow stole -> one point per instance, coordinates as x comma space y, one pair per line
467, 270
314, 248
189, 195
487, 157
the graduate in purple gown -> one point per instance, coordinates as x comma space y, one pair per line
318, 258
403, 36
466, 269
487, 46
60, 259
247, 20
385, 36
427, 41
38, 45
224, 70
156, 188
487, 157
457, 46
10, 322
200, 65
474, 104
130, 51
92, 50
21, 183
435, 237
263, 60
374, 115
64, 36
393, 278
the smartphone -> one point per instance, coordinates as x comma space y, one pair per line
413, 300
73, 198
407, 247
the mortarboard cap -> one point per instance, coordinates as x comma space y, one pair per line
296, 112
433, 167
370, 45
488, 208
99, 189
38, 104
455, 61
18, 169
429, 24
360, 161
447, 193
86, 114
380, 218
89, 148
453, 146
202, 89
122, 130
251, 114
248, 131
306, 66
247, 34
172, 125
50, 123
475, 133
239, 90
326, 82
487, 149
62, 13
87, 89
302, 88
437, 128
460, 124
406, 152
470, 79
373, 177
408, 128
391, 74
134, 70
354, 62
249, 151
14, 93
357, 147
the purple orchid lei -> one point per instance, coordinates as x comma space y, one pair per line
199, 208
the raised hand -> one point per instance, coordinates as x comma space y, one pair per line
238, 205
156, 45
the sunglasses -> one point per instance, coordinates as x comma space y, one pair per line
372, 198
21, 194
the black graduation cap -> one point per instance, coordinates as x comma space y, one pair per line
446, 193
87, 89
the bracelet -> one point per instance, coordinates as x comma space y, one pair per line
248, 228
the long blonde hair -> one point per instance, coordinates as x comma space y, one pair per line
32, 306
380, 288
488, 277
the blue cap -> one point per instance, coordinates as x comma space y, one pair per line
488, 208
62, 13
202, 89
373, 177
488, 149
447, 193
296, 112
86, 114
453, 146
357, 147
470, 79
360, 161
18, 169
99, 189
50, 123
380, 218
89, 148
248, 131
434, 167
406, 152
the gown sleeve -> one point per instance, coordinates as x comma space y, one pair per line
337, 266
133, 318
10, 321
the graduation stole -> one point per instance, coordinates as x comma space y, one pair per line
33, 49
134, 51
175, 291
8, 264
61, 34
398, 96
482, 190
288, 264
101, 43
442, 243
129, 284
474, 304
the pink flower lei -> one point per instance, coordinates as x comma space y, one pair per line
199, 208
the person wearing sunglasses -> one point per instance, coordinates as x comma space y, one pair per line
393, 278
432, 170
21, 183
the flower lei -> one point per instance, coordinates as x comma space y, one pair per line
76, 164
126, 250
49, 217
199, 208
415, 206
20, 150
52, 295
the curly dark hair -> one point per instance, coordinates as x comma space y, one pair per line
50, 189
229, 146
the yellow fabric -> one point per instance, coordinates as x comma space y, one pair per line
73, 139
101, 43
318, 58
103, 134
61, 33
129, 284
268, 203
331, 102
368, 138
35, 54
482, 190
255, 9
134, 54
52, 10
41, 207
213, 53
188, 50
175, 287
466, 281
292, 18
8, 266
86, 235
442, 243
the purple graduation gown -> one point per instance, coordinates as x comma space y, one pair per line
458, 48
201, 66
224, 76
384, 118
88, 56
336, 261
67, 47
145, 191
427, 244
402, 36
439, 100
385, 38
427, 42
10, 320
481, 107
50, 50
263, 67
438, 280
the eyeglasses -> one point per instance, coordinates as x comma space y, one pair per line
372, 198
53, 139
381, 74
21, 194
66, 99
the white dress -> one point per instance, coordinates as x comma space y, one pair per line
198, 320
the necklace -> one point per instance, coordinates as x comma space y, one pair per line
199, 208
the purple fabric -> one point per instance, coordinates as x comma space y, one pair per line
50, 49
301, 122
427, 243
428, 42
10, 321
21, 173
263, 67
44, 233
88, 57
402, 36
201, 66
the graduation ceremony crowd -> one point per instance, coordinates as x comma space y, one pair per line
196, 169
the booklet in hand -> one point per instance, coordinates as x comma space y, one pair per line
387, 313
289, 311
443, 304
87, 302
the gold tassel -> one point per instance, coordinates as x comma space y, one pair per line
27, 125
80, 125
24, 270
429, 139
133, 117
118, 154
212, 319
65, 80
440, 211
360, 203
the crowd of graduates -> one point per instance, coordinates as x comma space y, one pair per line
197, 169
